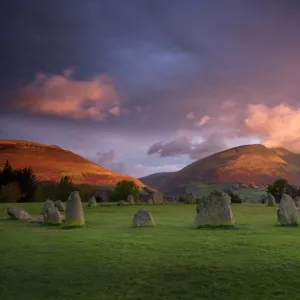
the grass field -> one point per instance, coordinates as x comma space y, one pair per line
108, 259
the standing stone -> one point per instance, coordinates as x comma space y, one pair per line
271, 200
52, 216
287, 212
130, 199
48, 204
74, 211
214, 210
18, 213
60, 205
157, 197
92, 202
150, 201
297, 202
191, 198
143, 218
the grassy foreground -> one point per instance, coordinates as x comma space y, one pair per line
108, 259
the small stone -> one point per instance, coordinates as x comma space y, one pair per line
130, 199
143, 218
92, 202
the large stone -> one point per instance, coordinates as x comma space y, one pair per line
48, 204
74, 210
52, 216
287, 212
130, 199
270, 200
18, 213
297, 202
143, 218
214, 210
157, 197
92, 202
60, 205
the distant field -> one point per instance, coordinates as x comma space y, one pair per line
201, 189
110, 260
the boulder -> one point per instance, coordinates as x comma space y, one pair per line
297, 202
130, 199
157, 197
287, 212
74, 211
60, 205
52, 216
48, 204
150, 201
123, 203
214, 210
270, 200
143, 218
92, 202
18, 213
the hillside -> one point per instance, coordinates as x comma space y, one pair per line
249, 163
50, 163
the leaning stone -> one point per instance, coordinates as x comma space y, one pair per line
287, 212
130, 199
214, 210
74, 211
18, 213
123, 203
92, 202
52, 216
143, 218
271, 200
48, 204
60, 205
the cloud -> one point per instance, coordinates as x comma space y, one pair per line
203, 121
278, 126
187, 146
105, 157
60, 95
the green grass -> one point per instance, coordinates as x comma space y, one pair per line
110, 260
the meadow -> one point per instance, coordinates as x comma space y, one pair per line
109, 260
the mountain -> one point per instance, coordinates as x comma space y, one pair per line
249, 163
50, 163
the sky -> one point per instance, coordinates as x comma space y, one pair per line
146, 86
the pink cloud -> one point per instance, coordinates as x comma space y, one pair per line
203, 121
60, 95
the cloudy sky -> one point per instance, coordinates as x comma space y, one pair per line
145, 86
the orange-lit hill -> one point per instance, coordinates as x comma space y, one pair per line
50, 163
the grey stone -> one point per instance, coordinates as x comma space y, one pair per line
60, 205
157, 197
92, 202
123, 203
18, 213
143, 218
287, 213
297, 202
52, 216
74, 211
130, 199
214, 210
270, 200
48, 204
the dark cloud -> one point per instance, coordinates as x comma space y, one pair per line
105, 157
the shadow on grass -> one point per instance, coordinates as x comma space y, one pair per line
217, 227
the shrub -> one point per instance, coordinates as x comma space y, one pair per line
182, 199
10, 193
235, 198
125, 188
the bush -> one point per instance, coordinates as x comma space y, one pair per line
182, 199
46, 190
235, 198
125, 188
10, 193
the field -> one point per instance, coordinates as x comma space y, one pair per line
110, 260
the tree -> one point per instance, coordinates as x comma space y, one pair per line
65, 187
280, 187
10, 192
125, 188
8, 174
27, 181
235, 198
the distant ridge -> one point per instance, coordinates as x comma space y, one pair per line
51, 162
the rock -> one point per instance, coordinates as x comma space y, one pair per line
52, 216
270, 200
143, 218
36, 219
74, 211
150, 201
18, 213
287, 212
60, 205
191, 198
157, 197
297, 202
130, 199
214, 210
92, 202
48, 204
122, 203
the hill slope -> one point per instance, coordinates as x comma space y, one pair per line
249, 163
50, 163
